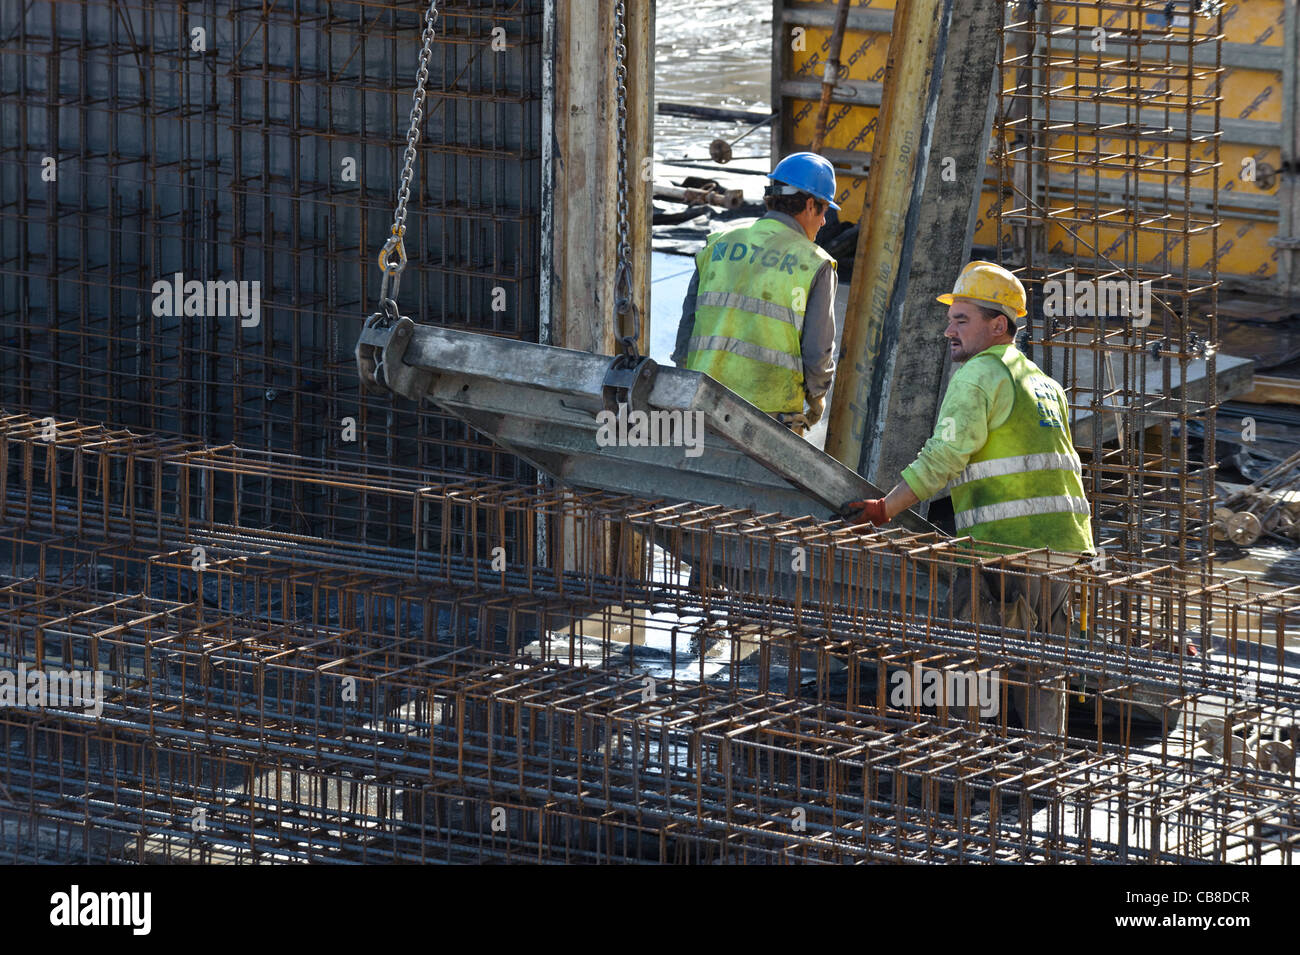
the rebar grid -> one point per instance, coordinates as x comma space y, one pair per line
585, 704
1107, 157
171, 495
250, 724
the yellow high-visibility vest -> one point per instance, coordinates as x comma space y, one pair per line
1024, 488
753, 292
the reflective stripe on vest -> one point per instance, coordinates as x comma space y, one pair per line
754, 285
1025, 507
746, 350
748, 304
1024, 487
1019, 464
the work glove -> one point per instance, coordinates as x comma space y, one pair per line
816, 408
869, 512
798, 423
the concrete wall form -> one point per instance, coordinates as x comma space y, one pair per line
1260, 239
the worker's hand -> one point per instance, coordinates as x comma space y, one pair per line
869, 512
816, 408
798, 423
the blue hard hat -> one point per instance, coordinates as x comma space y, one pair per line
807, 172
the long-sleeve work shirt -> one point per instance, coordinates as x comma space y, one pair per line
979, 398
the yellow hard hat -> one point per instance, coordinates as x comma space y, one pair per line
989, 284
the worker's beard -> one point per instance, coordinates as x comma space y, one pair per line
960, 353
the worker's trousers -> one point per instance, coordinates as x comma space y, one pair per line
1037, 693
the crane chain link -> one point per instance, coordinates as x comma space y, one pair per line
392, 258
624, 306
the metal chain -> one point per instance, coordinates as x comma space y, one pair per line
392, 258
623, 303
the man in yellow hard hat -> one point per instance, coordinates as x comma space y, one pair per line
759, 312
1003, 442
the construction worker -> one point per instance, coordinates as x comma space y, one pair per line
1003, 441
759, 313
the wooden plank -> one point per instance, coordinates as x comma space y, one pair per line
921, 206
640, 147
584, 187
581, 179
900, 151
1271, 390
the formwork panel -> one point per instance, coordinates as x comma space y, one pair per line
1256, 110
804, 33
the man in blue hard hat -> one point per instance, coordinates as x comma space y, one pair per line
759, 314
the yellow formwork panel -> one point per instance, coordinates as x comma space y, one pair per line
862, 55
851, 128
848, 127
1255, 22
1158, 88
986, 226
1119, 18
1252, 94
1233, 177
851, 197
1243, 247
1247, 94
1112, 159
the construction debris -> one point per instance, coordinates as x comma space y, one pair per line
701, 192
1270, 505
